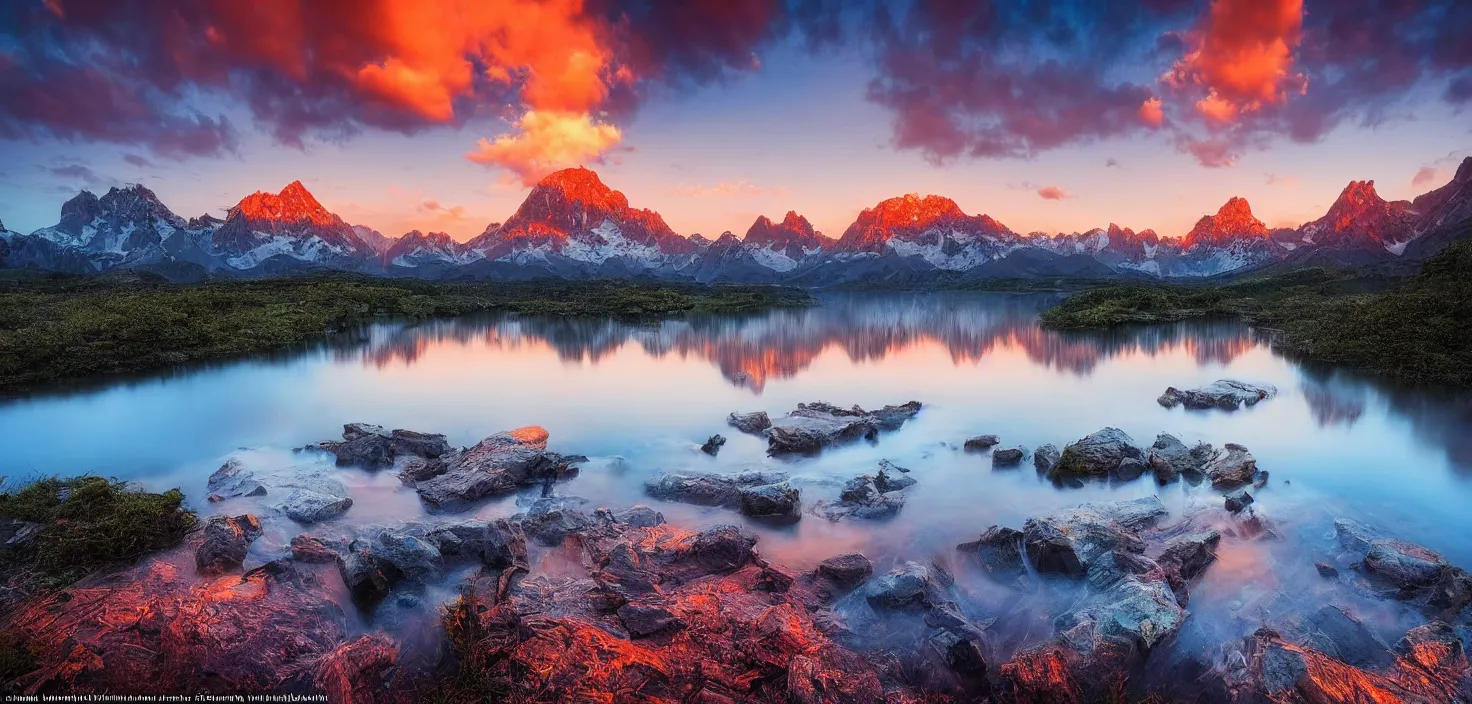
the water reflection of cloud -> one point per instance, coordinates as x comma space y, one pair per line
752, 350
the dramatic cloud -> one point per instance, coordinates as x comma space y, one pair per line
1242, 55
733, 189
1052, 193
1151, 113
558, 71
1426, 175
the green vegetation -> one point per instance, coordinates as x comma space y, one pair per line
1417, 329
56, 328
91, 521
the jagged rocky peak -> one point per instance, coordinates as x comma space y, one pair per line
79, 212
911, 216
580, 185
294, 204
414, 247
1234, 221
291, 223
794, 233
205, 222
1361, 218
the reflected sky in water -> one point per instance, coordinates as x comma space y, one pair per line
639, 398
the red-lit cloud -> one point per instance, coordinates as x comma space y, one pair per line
1241, 55
1052, 193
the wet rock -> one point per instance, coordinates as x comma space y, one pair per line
1068, 542
773, 500
1045, 458
1190, 555
494, 543
1096, 455
1334, 632
426, 445
1130, 469
417, 469
372, 447
1142, 612
226, 542
1403, 564
754, 423
1353, 535
847, 571
1225, 394
233, 480
1233, 469
906, 587
998, 551
892, 417
1326, 570
369, 451
720, 549
638, 516
359, 671
1276, 670
1435, 648
861, 499
886, 482
551, 519
145, 630
1119, 564
1008, 456
892, 468
710, 489
306, 548
496, 465
643, 619
1169, 458
375, 564
813, 427
981, 442
713, 445
309, 506
357, 431
1238, 500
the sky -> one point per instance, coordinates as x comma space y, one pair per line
438, 116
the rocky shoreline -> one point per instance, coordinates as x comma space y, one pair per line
571, 601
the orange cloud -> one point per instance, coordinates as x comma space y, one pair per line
545, 141
1151, 112
1242, 54
1052, 193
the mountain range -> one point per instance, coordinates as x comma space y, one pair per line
572, 225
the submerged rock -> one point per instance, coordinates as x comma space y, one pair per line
998, 551
1238, 500
1226, 394
1096, 455
551, 519
847, 571
1334, 632
1008, 456
1069, 542
1045, 458
907, 586
372, 447
814, 426
311, 506
707, 489
233, 480
225, 543
496, 465
771, 500
981, 442
713, 445
1169, 458
886, 482
1236, 468
861, 498
754, 423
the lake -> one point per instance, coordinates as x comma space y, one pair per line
639, 398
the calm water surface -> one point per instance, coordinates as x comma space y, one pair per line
638, 399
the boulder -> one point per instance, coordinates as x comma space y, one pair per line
1130, 469
310, 549
638, 516
1353, 535
1233, 469
981, 442
372, 447
886, 482
1008, 456
233, 480
552, 518
1069, 542
1169, 458
498, 464
814, 426
1271, 669
1096, 455
494, 543
426, 445
710, 489
1334, 632
1404, 565
754, 423
860, 498
1119, 564
1189, 555
1226, 394
1238, 500
713, 445
847, 571
225, 543
1045, 458
369, 451
374, 564
998, 551
771, 500
310, 506
1142, 612
907, 586
646, 618
892, 417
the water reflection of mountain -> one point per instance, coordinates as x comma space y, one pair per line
751, 350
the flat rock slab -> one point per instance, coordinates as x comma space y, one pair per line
1225, 394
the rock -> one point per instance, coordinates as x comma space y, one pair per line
1326, 570
713, 445
847, 571
710, 489
369, 451
1068, 542
1276, 670
1169, 458
309, 506
374, 565
720, 549
1353, 535
906, 587
1190, 555
306, 548
892, 468
1434, 647
1226, 394
233, 480
494, 544
1452, 593
639, 516
426, 445
1096, 455
1337, 634
226, 542
1130, 469
861, 499
355, 431
813, 427
774, 500
998, 551
885, 482
1235, 468
1238, 500
1403, 564
1119, 564
1045, 458
892, 417
981, 442
1142, 612
753, 423
551, 519
644, 619
417, 469
1008, 456
496, 465
372, 447
358, 671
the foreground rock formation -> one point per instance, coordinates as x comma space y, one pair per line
1225, 394
814, 426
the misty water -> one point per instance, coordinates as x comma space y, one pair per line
638, 399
